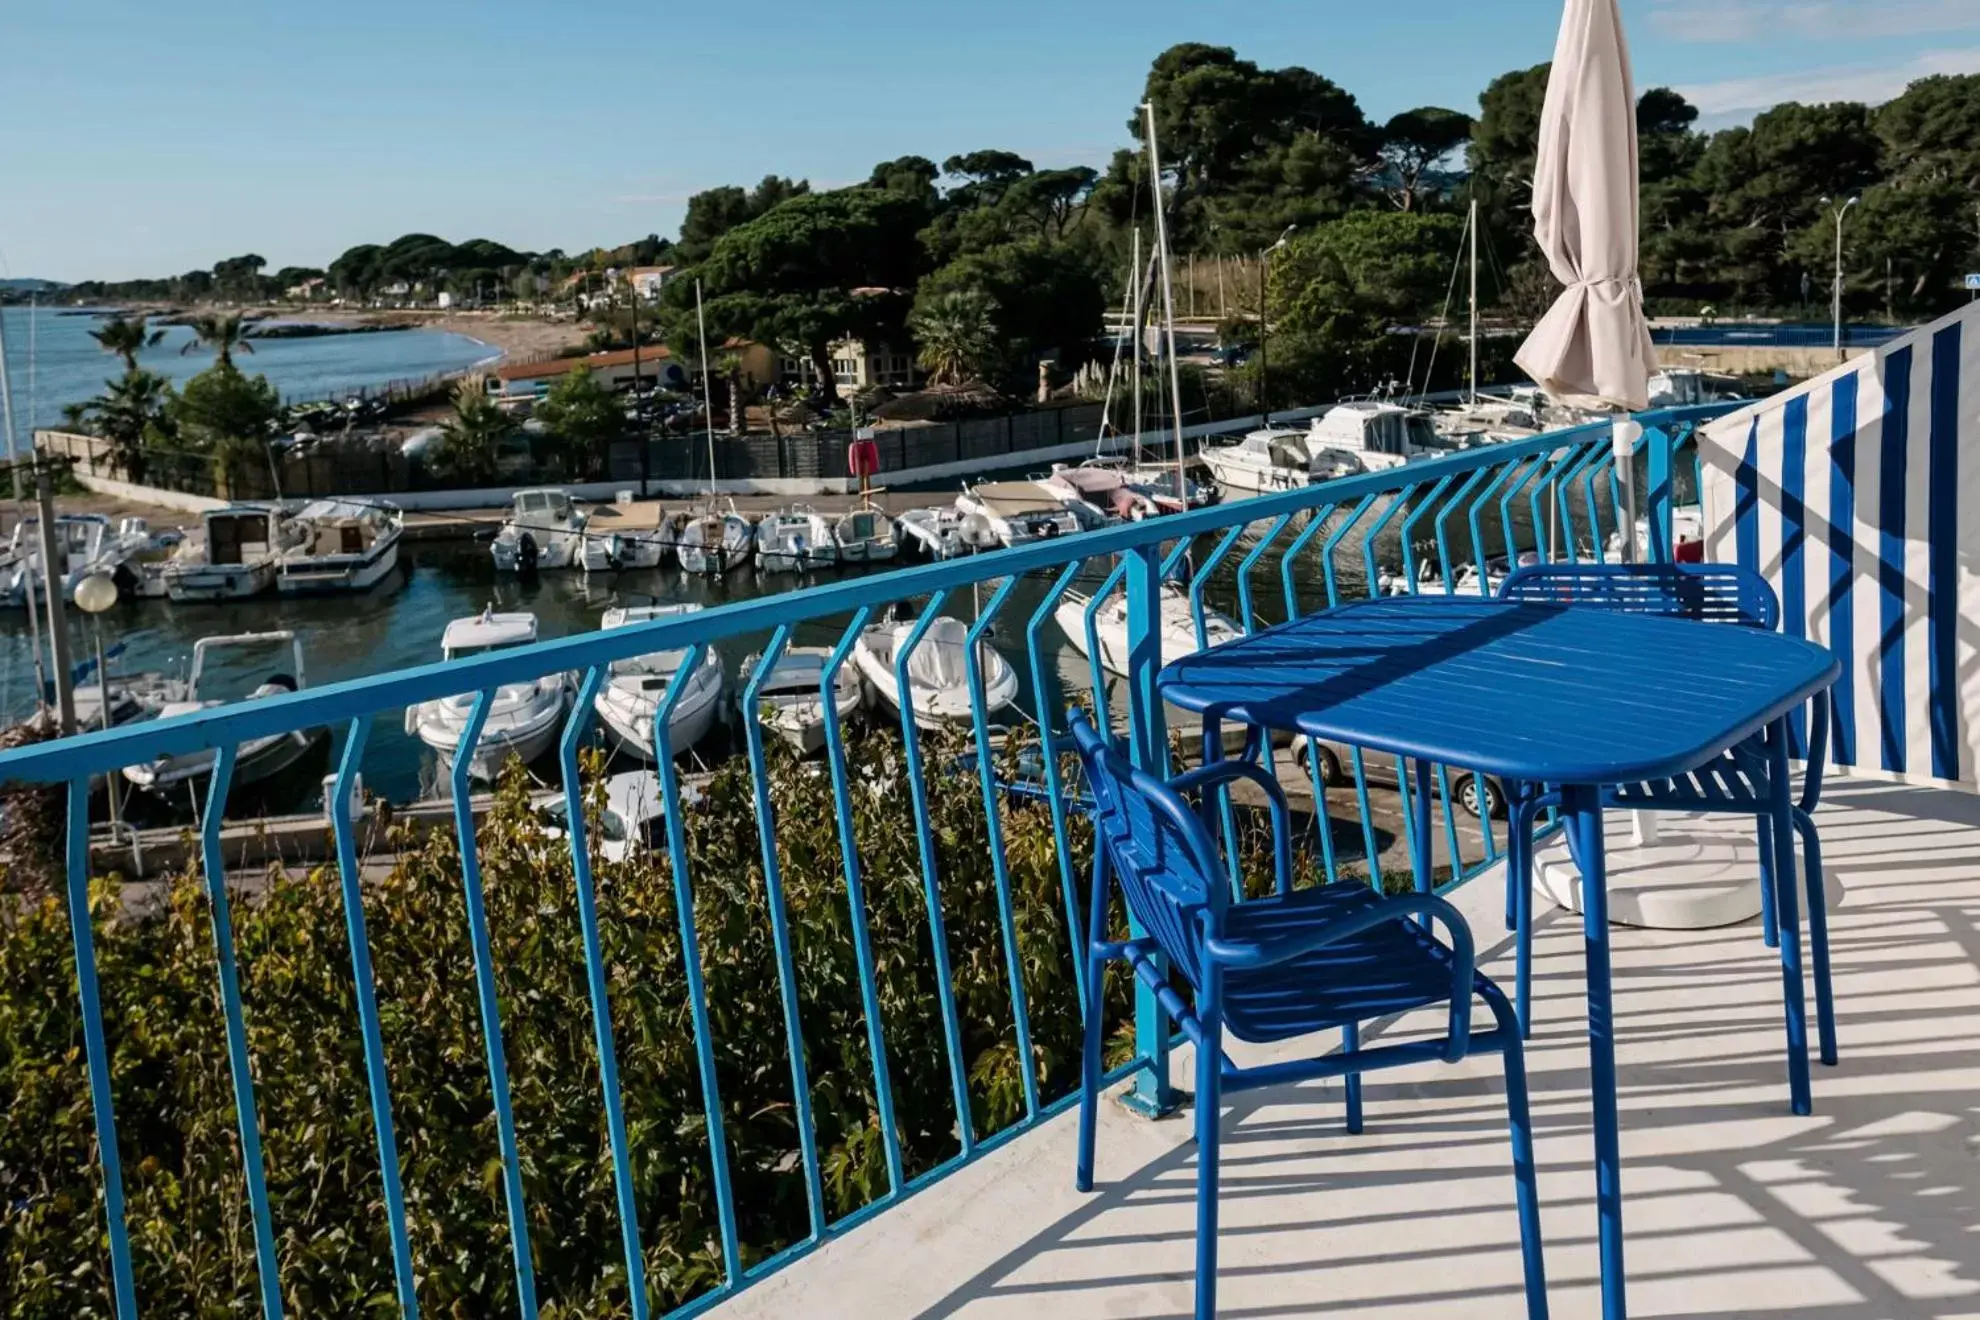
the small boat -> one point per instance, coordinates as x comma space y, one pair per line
1013, 513
611, 552
631, 821
795, 540
240, 551
1105, 489
866, 535
544, 529
938, 677
1110, 626
87, 545
1160, 484
1687, 536
257, 759
633, 689
1465, 581
1277, 458
523, 718
933, 533
792, 703
713, 542
352, 546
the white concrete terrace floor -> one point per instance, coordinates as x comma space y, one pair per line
1870, 1209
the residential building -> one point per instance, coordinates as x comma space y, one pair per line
856, 365
656, 364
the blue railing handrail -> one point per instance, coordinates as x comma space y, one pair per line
97, 753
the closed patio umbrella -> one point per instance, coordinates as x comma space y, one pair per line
1592, 347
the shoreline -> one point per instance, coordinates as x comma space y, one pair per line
512, 338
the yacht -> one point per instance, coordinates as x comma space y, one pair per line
545, 529
1106, 489
241, 550
634, 688
1011, 513
352, 546
1277, 458
256, 759
795, 540
523, 718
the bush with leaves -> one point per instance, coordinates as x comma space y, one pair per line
192, 1237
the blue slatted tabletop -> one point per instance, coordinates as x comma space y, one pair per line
1520, 691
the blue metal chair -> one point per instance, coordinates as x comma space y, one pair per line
1273, 968
1736, 783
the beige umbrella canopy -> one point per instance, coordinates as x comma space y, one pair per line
1592, 347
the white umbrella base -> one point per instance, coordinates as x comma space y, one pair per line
1698, 872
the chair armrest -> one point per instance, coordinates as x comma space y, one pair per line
1253, 954
1218, 774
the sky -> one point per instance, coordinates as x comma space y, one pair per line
147, 138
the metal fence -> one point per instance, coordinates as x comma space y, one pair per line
1418, 528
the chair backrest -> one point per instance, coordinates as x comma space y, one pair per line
1709, 593
1155, 847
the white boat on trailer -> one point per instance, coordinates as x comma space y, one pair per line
257, 759
792, 701
630, 696
937, 672
523, 718
352, 546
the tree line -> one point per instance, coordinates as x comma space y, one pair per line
986, 263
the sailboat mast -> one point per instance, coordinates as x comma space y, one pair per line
1139, 280
14, 467
707, 393
1471, 224
1168, 293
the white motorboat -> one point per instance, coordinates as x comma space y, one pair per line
632, 821
523, 718
934, 533
1277, 458
1011, 513
866, 535
633, 689
1105, 489
713, 542
240, 551
795, 540
352, 546
1465, 581
214, 660
792, 702
545, 529
604, 551
86, 544
1687, 536
937, 672
1110, 626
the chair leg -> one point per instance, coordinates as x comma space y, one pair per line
1351, 1042
1526, 1182
1770, 929
1089, 1073
1519, 897
1512, 790
1818, 935
1209, 1058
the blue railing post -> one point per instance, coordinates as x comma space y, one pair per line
1657, 507
1148, 743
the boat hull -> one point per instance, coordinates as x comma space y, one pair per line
344, 574
219, 581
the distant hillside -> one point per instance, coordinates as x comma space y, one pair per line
30, 286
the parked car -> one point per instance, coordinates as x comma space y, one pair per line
1379, 771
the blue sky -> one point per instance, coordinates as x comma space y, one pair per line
148, 138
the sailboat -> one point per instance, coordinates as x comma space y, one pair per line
712, 540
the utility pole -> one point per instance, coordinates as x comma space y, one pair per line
52, 574
639, 419
1471, 223
1836, 302
1264, 381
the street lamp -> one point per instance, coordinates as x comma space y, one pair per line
1264, 381
1838, 212
95, 594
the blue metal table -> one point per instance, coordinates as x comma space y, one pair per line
1579, 699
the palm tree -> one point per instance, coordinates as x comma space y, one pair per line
223, 332
472, 433
957, 334
729, 366
126, 336
128, 414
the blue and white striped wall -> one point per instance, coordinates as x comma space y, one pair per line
1857, 494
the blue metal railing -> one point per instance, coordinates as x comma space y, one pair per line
1385, 531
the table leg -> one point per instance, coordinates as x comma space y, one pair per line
1780, 800
1583, 809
